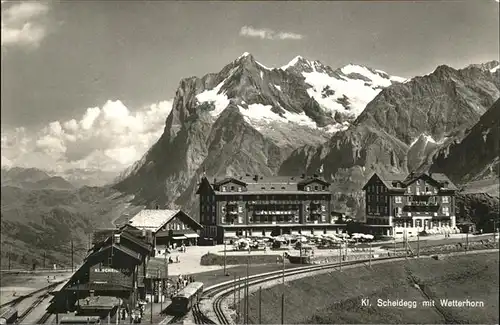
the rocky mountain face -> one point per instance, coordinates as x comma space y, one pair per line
476, 156
402, 124
247, 119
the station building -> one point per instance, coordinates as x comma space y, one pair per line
111, 277
168, 227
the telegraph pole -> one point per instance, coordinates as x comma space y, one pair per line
370, 255
239, 299
467, 241
234, 294
10, 254
283, 294
152, 294
340, 257
72, 259
247, 291
260, 305
225, 273
418, 245
44, 254
394, 246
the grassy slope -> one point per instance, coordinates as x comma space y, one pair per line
38, 221
336, 297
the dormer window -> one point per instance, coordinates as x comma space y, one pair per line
308, 188
239, 189
418, 182
223, 188
315, 188
232, 188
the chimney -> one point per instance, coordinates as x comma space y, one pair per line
256, 178
215, 180
157, 207
247, 175
303, 176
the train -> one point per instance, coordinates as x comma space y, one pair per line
9, 316
183, 301
80, 320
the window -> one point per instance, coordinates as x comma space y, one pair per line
409, 190
397, 199
239, 189
282, 187
315, 188
418, 182
427, 189
223, 209
446, 210
240, 209
223, 188
232, 188
446, 199
323, 208
386, 210
418, 222
308, 188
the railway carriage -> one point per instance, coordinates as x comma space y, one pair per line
9, 316
187, 298
80, 320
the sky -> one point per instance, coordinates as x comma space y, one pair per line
89, 84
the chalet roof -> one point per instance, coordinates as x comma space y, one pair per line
267, 191
438, 177
281, 183
118, 247
152, 220
406, 179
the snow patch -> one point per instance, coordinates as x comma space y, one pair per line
291, 63
427, 139
375, 78
255, 114
220, 101
494, 69
244, 55
263, 66
355, 90
277, 87
261, 75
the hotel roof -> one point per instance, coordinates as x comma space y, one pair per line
152, 220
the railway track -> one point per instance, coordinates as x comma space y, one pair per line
221, 291
35, 304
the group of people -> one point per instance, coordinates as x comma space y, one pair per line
182, 282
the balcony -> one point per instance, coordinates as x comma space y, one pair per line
434, 192
422, 203
279, 212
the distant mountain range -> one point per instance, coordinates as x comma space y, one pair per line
304, 117
307, 117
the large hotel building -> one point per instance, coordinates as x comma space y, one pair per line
398, 204
261, 206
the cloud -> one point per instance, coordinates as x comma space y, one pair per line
23, 23
266, 33
109, 138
